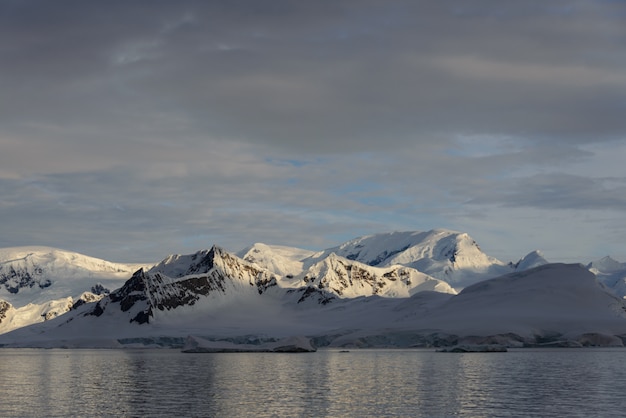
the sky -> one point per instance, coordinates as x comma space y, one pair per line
130, 130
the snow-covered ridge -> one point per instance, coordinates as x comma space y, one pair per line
284, 261
450, 256
349, 279
55, 258
40, 274
13, 318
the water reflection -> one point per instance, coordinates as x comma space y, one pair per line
327, 383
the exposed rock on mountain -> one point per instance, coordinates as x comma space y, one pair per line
17, 317
347, 278
450, 256
206, 273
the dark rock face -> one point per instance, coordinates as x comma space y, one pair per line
85, 298
13, 279
4, 307
339, 275
204, 265
99, 289
311, 293
97, 310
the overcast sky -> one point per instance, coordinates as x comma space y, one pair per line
130, 130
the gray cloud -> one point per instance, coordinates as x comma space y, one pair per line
566, 191
322, 77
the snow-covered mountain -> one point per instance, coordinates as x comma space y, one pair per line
284, 261
350, 279
368, 289
40, 283
610, 273
40, 274
451, 256
211, 279
32, 279
549, 303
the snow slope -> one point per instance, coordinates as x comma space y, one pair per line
282, 260
553, 298
12, 318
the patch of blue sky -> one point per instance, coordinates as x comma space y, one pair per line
293, 162
355, 189
477, 146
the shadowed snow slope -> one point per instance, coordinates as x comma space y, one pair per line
558, 298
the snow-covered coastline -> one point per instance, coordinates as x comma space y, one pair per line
366, 293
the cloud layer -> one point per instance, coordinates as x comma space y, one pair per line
130, 130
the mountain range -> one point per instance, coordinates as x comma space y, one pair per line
392, 289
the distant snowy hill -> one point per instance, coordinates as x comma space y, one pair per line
40, 274
531, 260
564, 298
610, 273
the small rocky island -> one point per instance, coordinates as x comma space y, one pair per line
469, 348
286, 345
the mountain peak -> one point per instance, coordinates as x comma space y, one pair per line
350, 278
530, 260
606, 265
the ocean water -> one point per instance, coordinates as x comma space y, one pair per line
329, 383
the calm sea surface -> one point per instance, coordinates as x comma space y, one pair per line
359, 383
